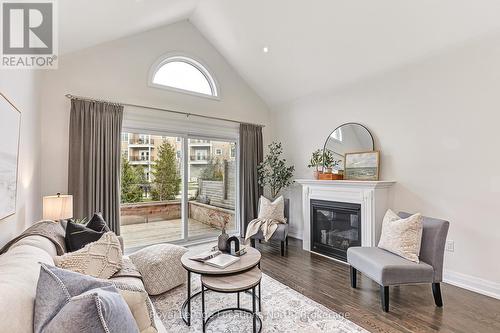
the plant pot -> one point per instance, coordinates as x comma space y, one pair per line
337, 176
316, 174
325, 176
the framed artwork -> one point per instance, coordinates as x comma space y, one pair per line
362, 166
10, 126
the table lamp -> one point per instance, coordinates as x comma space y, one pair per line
57, 207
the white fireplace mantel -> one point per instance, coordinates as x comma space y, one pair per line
373, 196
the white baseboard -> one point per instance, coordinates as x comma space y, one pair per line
295, 235
472, 283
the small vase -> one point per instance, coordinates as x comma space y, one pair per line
222, 240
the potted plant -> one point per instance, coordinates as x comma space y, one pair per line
328, 161
273, 171
328, 164
316, 162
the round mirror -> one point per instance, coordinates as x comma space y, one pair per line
348, 138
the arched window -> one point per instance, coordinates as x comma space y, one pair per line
184, 74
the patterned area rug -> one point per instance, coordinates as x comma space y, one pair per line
283, 310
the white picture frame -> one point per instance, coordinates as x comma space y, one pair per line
10, 127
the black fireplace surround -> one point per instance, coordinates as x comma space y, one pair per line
335, 226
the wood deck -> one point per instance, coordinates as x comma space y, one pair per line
144, 234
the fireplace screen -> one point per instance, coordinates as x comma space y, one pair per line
335, 226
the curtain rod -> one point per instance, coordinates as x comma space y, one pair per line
187, 114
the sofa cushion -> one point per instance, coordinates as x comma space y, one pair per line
19, 269
97, 223
78, 235
402, 236
100, 259
71, 302
160, 267
43, 243
386, 268
139, 304
272, 210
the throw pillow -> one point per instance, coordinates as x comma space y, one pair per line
402, 236
79, 235
100, 259
97, 223
71, 302
160, 267
139, 304
273, 210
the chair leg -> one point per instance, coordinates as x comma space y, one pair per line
436, 291
252, 242
286, 242
260, 241
353, 277
384, 298
282, 248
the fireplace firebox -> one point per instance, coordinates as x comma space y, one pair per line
335, 226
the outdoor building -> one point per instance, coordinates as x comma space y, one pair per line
152, 176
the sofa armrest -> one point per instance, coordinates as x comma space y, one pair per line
120, 238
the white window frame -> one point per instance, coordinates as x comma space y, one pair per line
196, 63
144, 153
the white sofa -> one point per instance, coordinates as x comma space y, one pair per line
19, 270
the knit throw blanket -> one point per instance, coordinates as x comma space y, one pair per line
128, 270
268, 227
53, 231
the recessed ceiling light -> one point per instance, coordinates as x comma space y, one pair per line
265, 49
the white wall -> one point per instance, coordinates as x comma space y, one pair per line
118, 71
437, 126
20, 86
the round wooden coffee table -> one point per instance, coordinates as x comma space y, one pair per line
247, 261
232, 284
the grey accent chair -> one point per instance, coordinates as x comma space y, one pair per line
280, 234
388, 269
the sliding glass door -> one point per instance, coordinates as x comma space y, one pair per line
151, 189
211, 178
176, 188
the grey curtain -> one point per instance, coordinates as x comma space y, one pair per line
251, 154
94, 160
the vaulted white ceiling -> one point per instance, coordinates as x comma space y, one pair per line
313, 44
84, 23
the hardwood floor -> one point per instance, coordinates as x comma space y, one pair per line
412, 308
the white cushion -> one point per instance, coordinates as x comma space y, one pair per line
100, 259
160, 267
139, 304
272, 210
20, 269
402, 236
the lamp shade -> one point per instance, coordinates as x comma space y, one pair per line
57, 207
